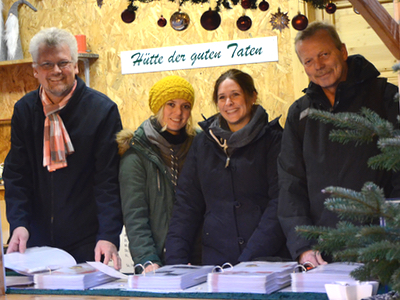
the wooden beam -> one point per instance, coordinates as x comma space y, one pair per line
381, 22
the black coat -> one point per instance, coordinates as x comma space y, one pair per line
73, 206
237, 203
310, 161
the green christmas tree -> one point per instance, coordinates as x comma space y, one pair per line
376, 246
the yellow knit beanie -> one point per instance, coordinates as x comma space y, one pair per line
169, 88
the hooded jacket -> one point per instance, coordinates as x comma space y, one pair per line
147, 190
310, 161
230, 182
72, 206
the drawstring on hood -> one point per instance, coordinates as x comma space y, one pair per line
224, 147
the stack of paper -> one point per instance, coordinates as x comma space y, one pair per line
314, 280
79, 277
167, 278
252, 277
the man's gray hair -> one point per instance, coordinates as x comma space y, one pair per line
53, 37
316, 26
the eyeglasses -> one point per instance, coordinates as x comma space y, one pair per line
50, 66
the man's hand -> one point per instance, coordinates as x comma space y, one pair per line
18, 240
313, 257
109, 251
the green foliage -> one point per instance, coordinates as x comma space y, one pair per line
318, 3
370, 228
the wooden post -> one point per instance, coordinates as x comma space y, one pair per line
2, 269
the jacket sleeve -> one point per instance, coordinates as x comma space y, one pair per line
187, 215
136, 210
392, 110
106, 186
17, 173
293, 205
268, 239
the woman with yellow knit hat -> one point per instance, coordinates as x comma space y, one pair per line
152, 158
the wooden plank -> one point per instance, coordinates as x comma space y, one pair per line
381, 22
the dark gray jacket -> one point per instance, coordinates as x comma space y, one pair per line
236, 197
310, 162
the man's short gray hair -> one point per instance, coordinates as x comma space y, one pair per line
53, 37
316, 26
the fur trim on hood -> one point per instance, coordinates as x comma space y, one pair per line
123, 139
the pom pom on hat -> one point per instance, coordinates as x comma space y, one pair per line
169, 88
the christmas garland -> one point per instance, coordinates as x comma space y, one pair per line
227, 4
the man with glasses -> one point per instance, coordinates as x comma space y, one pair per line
61, 174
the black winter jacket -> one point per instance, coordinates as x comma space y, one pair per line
310, 161
75, 205
236, 198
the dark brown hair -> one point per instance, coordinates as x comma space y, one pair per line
244, 80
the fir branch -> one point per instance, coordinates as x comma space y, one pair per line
362, 206
346, 255
362, 273
396, 280
360, 128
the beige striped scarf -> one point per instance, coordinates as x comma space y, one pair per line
56, 141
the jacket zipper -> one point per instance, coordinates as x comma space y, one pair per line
158, 180
52, 208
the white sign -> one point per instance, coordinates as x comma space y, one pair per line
247, 51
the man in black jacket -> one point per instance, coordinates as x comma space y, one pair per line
61, 174
309, 161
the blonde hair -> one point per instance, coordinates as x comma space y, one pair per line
189, 124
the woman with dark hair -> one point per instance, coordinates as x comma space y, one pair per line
229, 183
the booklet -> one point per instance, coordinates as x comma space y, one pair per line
172, 277
38, 259
251, 277
78, 277
314, 280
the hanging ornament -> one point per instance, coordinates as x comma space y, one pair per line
179, 20
330, 8
245, 4
244, 23
263, 6
129, 15
300, 22
279, 20
162, 21
210, 20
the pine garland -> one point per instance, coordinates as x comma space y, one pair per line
227, 4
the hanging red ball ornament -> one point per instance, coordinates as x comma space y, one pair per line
210, 20
244, 23
330, 8
245, 4
128, 15
162, 21
263, 6
300, 22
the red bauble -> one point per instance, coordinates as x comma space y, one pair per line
300, 22
210, 20
244, 23
246, 3
128, 15
162, 22
263, 6
330, 8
